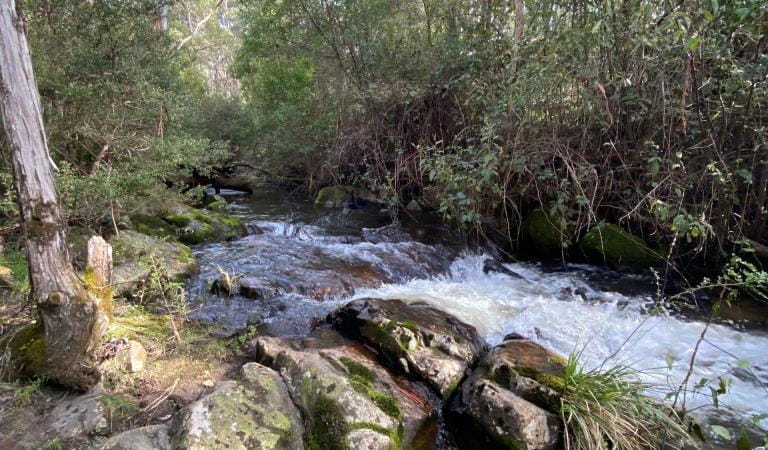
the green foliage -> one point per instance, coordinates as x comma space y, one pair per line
645, 114
608, 408
16, 261
52, 443
28, 392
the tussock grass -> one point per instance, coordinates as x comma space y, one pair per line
608, 409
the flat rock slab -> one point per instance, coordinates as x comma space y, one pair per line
254, 412
78, 416
422, 341
513, 394
347, 398
153, 437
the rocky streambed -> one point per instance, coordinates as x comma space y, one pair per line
372, 335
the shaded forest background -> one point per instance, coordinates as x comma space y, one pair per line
647, 114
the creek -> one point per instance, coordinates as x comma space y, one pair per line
301, 262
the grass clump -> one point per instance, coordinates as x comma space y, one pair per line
608, 409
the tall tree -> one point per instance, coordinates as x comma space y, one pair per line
72, 317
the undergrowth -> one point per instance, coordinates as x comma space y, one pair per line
609, 409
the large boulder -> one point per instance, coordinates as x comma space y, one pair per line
254, 412
419, 340
132, 253
610, 244
348, 400
513, 395
190, 226
543, 235
196, 226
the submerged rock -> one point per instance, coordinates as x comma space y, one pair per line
422, 341
609, 243
132, 252
513, 394
254, 412
348, 400
491, 265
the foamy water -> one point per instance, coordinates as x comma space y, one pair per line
599, 324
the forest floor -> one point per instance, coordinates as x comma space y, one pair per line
177, 371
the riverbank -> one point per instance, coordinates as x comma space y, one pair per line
298, 263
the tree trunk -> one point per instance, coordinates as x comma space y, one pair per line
60, 345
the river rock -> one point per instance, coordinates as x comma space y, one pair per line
513, 394
189, 225
346, 397
543, 235
609, 243
334, 196
413, 206
422, 341
132, 250
254, 412
152, 437
491, 265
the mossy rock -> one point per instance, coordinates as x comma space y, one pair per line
196, 226
543, 235
190, 226
334, 196
610, 244
132, 252
256, 412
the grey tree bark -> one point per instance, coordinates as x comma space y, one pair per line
67, 333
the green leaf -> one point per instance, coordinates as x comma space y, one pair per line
715, 6
742, 363
743, 12
669, 360
721, 431
743, 442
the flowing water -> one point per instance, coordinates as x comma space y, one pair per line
306, 262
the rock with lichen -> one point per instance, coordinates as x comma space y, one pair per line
514, 393
424, 342
347, 398
255, 411
189, 225
151, 437
133, 253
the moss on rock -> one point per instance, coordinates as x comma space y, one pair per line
543, 235
609, 243
334, 196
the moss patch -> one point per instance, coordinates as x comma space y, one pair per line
334, 196
362, 379
328, 427
618, 248
543, 234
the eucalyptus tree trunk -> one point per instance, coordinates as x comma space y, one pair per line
71, 314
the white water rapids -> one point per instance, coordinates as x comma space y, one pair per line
564, 310
611, 324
